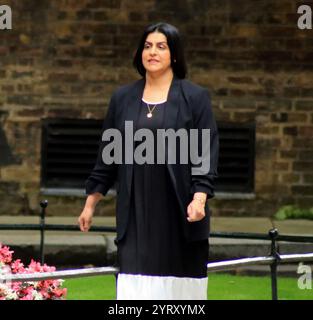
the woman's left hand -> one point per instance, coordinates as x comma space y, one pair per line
195, 211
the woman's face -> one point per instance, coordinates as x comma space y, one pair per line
156, 55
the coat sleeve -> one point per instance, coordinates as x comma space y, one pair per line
203, 118
103, 175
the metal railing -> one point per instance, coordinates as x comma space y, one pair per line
212, 267
273, 260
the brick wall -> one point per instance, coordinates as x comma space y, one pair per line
64, 58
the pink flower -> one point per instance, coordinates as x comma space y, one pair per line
58, 293
28, 296
17, 266
47, 289
5, 254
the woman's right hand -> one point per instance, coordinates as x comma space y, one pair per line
85, 219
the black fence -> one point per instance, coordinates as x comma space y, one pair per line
274, 259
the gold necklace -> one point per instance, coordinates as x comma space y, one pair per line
149, 114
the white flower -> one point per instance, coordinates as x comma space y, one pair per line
37, 295
6, 292
11, 295
5, 270
4, 289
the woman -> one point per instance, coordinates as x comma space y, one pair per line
162, 214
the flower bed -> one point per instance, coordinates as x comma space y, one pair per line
34, 290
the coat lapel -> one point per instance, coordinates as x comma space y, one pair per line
132, 106
171, 121
172, 105
133, 102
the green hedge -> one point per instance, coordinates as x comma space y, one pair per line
293, 212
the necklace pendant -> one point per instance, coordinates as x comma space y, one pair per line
149, 115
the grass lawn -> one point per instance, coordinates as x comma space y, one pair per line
221, 287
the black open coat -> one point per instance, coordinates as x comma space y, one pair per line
188, 106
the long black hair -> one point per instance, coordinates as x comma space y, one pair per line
175, 44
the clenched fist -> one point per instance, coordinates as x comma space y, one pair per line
195, 211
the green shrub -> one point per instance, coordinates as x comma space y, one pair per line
293, 212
